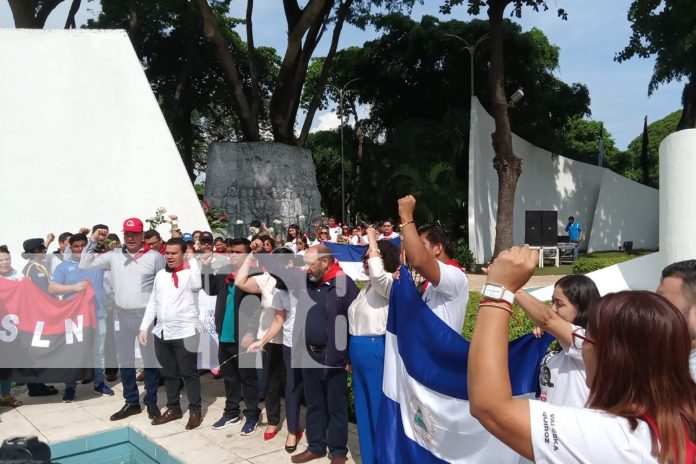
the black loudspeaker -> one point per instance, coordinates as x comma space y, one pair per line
549, 228
541, 228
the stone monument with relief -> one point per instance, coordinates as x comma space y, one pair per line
271, 182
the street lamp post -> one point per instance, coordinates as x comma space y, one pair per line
342, 92
472, 51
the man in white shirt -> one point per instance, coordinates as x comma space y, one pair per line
678, 285
334, 229
176, 332
388, 232
430, 250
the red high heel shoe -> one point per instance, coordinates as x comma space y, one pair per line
269, 435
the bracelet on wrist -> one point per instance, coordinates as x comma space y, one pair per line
401, 226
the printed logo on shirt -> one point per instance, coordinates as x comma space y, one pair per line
550, 429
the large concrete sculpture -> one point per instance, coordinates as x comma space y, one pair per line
82, 138
271, 182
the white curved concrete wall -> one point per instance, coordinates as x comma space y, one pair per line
677, 196
82, 138
552, 182
677, 222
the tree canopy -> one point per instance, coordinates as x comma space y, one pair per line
665, 29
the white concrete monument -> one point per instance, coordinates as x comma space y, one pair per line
82, 138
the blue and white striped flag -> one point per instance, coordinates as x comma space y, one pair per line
350, 256
424, 414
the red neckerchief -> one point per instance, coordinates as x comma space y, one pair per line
230, 278
333, 272
451, 262
175, 278
690, 447
163, 249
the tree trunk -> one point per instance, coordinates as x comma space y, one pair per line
23, 13
211, 31
293, 69
134, 27
688, 117
324, 76
507, 165
74, 8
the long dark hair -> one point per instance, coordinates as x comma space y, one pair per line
642, 366
390, 255
581, 291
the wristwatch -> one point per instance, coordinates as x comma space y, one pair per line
497, 292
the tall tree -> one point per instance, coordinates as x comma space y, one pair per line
306, 27
506, 163
184, 72
666, 29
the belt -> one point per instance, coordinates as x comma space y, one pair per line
316, 349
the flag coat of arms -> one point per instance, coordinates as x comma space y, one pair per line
424, 413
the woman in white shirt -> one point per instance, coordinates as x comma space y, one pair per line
562, 373
642, 403
284, 305
263, 284
367, 325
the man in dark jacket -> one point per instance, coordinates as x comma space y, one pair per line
237, 315
323, 306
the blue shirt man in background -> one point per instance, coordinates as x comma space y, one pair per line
575, 234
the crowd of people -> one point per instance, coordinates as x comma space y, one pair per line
619, 387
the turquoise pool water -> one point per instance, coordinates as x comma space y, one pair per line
120, 446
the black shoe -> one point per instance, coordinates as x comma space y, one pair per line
153, 411
43, 390
126, 411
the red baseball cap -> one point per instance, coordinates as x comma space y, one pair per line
133, 225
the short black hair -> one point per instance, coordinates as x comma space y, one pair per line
686, 271
178, 241
114, 238
391, 255
152, 233
439, 234
77, 238
241, 241
98, 226
571, 218
219, 239
64, 236
4, 249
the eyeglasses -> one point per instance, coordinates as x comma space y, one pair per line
578, 340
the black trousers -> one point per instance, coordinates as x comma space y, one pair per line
110, 359
239, 380
178, 358
293, 391
272, 357
326, 394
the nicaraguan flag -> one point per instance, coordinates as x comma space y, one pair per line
424, 414
350, 257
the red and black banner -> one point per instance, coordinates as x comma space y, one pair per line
42, 338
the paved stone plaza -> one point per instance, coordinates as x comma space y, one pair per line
54, 421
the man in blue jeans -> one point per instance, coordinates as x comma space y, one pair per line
67, 280
575, 234
133, 272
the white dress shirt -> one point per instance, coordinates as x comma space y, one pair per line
174, 307
367, 314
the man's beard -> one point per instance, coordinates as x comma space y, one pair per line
313, 278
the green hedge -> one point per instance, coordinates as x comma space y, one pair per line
588, 264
